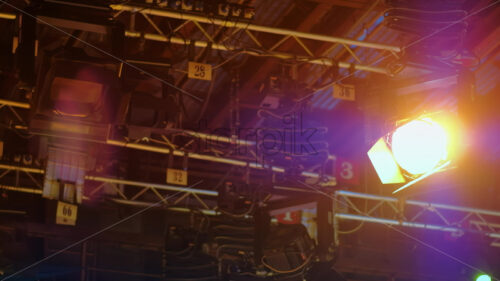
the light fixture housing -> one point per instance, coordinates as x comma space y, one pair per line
415, 148
76, 95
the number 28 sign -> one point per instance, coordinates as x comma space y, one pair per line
347, 171
200, 71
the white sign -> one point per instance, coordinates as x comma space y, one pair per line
66, 213
178, 177
344, 92
200, 71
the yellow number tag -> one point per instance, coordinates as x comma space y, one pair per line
344, 92
66, 213
199, 71
178, 177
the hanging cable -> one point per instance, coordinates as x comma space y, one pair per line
305, 263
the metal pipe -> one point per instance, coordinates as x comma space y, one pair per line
176, 209
83, 262
191, 133
411, 224
20, 168
7, 16
280, 55
396, 222
154, 185
15, 103
198, 156
180, 153
21, 189
254, 27
157, 276
453, 208
12, 212
218, 138
365, 196
295, 189
210, 137
418, 203
128, 182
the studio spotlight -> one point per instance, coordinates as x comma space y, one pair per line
75, 94
414, 150
419, 145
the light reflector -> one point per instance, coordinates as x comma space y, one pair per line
383, 161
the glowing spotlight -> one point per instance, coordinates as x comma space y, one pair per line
419, 145
415, 150
483, 277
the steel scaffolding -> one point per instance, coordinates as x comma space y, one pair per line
456, 220
164, 148
236, 27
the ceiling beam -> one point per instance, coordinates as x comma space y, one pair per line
343, 3
313, 18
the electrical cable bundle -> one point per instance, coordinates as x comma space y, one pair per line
234, 248
183, 258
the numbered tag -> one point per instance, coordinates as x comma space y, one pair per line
344, 92
178, 177
66, 213
292, 217
347, 171
200, 71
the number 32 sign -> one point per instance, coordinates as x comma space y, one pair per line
347, 171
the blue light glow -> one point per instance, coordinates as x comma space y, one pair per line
483, 277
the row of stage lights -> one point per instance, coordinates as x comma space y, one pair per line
219, 8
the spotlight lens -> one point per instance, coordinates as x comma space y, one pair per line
483, 277
419, 145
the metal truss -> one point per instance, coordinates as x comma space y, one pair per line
247, 29
212, 158
415, 214
258, 49
13, 106
118, 186
166, 147
348, 205
31, 173
128, 192
117, 189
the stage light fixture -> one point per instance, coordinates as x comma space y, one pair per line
414, 150
483, 277
76, 94
419, 145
